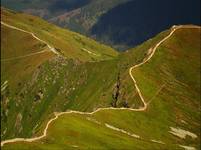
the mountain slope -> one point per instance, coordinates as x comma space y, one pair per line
169, 83
120, 23
35, 81
45, 9
82, 19
32, 75
79, 15
136, 21
69, 44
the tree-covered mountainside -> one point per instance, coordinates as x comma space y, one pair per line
46, 70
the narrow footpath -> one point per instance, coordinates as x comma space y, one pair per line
153, 50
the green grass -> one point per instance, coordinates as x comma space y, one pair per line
74, 129
177, 65
25, 76
78, 131
175, 102
14, 45
76, 83
69, 43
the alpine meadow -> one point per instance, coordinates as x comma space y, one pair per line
66, 83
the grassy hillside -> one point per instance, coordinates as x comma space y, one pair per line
169, 82
69, 44
12, 50
176, 66
34, 87
32, 77
90, 132
121, 24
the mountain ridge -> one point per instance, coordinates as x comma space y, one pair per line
111, 108
115, 22
58, 84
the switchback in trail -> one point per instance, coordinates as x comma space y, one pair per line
145, 104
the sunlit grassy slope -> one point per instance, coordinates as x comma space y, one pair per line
35, 86
72, 130
69, 44
13, 46
164, 81
170, 81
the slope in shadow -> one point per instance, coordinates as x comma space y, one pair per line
132, 23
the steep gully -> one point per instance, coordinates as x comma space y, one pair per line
57, 114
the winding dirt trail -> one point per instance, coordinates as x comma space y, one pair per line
89, 52
24, 56
32, 34
152, 52
37, 38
